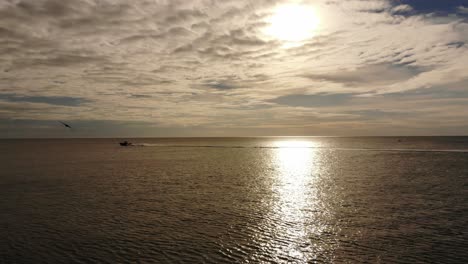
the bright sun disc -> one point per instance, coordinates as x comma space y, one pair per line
293, 22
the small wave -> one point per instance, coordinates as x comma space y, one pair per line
299, 147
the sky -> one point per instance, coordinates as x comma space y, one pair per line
194, 68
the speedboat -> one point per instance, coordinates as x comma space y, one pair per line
125, 144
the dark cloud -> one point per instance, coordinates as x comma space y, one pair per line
315, 100
81, 16
31, 9
184, 48
376, 114
10, 35
64, 60
53, 100
171, 68
141, 96
377, 74
227, 83
179, 31
220, 86
456, 90
200, 26
184, 16
258, 78
138, 82
457, 44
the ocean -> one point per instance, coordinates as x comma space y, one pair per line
235, 200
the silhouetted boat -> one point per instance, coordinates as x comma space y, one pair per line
125, 144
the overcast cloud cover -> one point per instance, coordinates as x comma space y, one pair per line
206, 68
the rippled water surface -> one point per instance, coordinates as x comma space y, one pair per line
254, 200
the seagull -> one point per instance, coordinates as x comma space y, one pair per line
66, 125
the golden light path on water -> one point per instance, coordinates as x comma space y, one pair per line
296, 201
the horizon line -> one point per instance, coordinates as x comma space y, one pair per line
165, 137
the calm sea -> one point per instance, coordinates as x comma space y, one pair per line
243, 200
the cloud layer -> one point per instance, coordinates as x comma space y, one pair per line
373, 67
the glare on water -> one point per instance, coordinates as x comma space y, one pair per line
261, 200
295, 177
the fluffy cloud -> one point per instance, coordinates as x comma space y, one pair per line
463, 10
209, 64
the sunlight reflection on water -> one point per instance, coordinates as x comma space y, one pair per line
292, 220
262, 200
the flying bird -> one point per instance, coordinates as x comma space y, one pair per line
66, 125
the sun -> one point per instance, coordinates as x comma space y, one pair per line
293, 23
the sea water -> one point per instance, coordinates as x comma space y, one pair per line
243, 200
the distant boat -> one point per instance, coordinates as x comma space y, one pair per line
125, 144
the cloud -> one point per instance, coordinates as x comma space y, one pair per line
399, 9
371, 75
455, 90
208, 64
53, 100
315, 100
220, 85
376, 114
463, 10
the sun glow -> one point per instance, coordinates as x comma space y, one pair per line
293, 23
